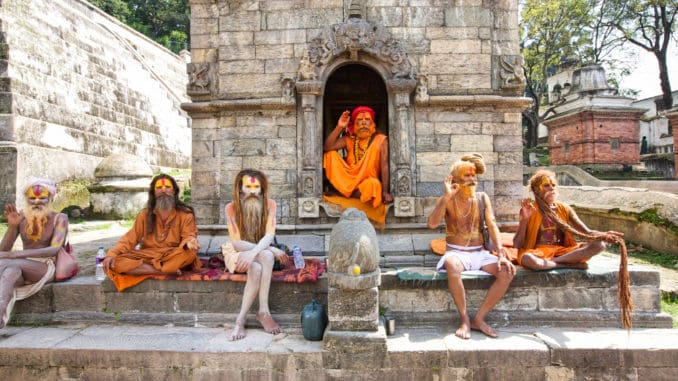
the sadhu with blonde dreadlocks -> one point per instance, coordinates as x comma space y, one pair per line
546, 231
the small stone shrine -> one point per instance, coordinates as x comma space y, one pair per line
269, 79
121, 187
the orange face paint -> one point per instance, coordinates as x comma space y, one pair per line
547, 181
37, 194
164, 183
250, 185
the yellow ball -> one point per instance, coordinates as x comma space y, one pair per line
355, 269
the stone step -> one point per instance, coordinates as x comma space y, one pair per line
569, 298
113, 352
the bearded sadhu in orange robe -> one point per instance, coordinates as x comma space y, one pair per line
363, 178
168, 239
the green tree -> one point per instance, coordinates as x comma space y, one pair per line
166, 22
651, 25
551, 31
115, 8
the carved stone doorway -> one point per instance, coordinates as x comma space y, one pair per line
348, 87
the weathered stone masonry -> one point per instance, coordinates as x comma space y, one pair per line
77, 86
258, 81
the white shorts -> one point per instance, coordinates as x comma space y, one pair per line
471, 260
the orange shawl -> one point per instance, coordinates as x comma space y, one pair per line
533, 229
347, 176
166, 254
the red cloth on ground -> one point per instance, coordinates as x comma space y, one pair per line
213, 269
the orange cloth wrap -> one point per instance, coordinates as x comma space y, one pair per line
167, 255
347, 176
547, 251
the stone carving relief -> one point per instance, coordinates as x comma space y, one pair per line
404, 207
507, 72
403, 182
421, 91
199, 78
307, 70
357, 35
288, 90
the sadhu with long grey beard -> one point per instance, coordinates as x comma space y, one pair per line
251, 227
43, 232
167, 233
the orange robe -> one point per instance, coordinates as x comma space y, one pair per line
165, 249
547, 251
346, 176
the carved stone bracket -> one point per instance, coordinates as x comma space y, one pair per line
403, 206
507, 73
288, 90
403, 182
200, 79
309, 207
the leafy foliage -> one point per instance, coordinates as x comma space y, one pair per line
164, 21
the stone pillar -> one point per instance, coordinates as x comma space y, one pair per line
310, 184
402, 155
354, 339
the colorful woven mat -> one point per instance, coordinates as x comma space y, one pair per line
213, 269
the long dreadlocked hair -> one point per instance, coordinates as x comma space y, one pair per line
623, 285
473, 159
178, 204
237, 186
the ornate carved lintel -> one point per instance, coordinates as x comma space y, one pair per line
309, 207
403, 206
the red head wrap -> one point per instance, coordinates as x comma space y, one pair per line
354, 115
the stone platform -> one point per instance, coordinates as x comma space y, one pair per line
106, 352
557, 298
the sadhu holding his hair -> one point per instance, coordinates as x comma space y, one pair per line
545, 237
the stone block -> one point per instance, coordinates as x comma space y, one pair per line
463, 64
423, 17
457, 128
240, 21
352, 308
386, 16
241, 67
278, 37
456, 46
432, 143
234, 52
463, 33
470, 143
303, 18
575, 297
473, 80
354, 350
468, 17
243, 147
264, 52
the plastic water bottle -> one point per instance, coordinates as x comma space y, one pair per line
99, 270
298, 258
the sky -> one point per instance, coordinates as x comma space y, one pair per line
645, 77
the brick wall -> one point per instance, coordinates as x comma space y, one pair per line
594, 137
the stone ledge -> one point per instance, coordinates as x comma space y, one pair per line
108, 352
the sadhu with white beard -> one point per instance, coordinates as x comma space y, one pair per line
251, 227
167, 233
465, 251
43, 232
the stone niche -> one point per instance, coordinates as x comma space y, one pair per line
268, 81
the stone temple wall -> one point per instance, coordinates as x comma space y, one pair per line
77, 86
452, 73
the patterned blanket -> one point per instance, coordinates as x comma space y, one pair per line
213, 269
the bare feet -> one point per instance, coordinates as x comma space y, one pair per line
268, 323
238, 331
464, 330
480, 325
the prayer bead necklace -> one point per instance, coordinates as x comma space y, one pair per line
359, 152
